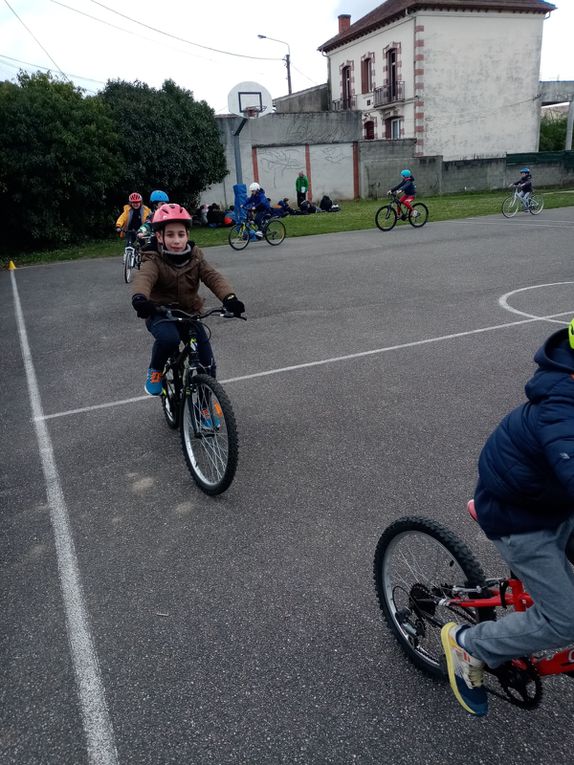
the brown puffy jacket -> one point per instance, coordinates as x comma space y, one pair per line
167, 284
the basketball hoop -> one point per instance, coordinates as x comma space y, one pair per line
252, 112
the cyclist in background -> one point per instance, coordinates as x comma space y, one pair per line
524, 186
524, 502
134, 214
157, 199
171, 275
408, 190
259, 204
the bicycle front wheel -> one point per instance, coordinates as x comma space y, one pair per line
238, 237
386, 218
417, 563
209, 434
274, 232
418, 215
128, 264
536, 205
510, 207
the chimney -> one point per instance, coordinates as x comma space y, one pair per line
344, 22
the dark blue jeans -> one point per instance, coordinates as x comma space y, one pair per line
167, 338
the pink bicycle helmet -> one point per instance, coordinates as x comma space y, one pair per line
135, 197
170, 213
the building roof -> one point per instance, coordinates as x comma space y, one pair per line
392, 10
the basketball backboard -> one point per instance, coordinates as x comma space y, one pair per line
250, 100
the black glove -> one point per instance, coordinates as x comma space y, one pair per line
233, 305
143, 307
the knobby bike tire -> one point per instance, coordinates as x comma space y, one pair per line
127, 266
171, 396
238, 237
536, 205
211, 453
418, 215
409, 601
386, 218
510, 207
274, 232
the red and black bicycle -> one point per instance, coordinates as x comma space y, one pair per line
425, 576
387, 216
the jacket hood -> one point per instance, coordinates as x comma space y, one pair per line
555, 359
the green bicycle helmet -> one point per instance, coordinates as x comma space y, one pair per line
571, 334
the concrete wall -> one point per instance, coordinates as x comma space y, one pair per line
274, 149
310, 100
479, 88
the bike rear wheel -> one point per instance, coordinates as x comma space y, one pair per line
208, 434
274, 232
386, 218
510, 207
238, 237
418, 215
536, 205
417, 563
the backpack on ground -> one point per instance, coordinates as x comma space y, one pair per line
326, 203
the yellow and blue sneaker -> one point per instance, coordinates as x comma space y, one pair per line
465, 673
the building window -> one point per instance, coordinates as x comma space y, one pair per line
367, 75
369, 128
393, 127
346, 86
392, 73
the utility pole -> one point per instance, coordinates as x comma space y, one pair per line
287, 58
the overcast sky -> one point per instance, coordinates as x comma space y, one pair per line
91, 51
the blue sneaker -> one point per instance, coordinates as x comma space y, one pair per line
153, 384
465, 673
205, 417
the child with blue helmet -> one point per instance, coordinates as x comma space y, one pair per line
524, 185
408, 190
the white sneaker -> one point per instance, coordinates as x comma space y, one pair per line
259, 234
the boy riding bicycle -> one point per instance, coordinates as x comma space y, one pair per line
524, 502
171, 276
524, 186
408, 191
133, 216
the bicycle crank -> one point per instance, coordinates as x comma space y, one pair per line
520, 682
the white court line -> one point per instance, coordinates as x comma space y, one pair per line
503, 302
332, 360
95, 716
507, 222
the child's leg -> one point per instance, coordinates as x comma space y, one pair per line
406, 201
539, 559
166, 343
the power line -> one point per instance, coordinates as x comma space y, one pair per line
46, 68
181, 39
36, 39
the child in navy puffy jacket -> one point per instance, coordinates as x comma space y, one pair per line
524, 501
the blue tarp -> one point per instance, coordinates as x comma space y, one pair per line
240, 198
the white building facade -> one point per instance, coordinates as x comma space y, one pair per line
459, 76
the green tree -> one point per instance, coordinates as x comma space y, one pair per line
552, 133
58, 156
168, 140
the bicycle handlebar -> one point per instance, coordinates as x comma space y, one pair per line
183, 316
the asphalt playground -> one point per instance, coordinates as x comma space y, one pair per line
144, 622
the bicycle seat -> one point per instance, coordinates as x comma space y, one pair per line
472, 510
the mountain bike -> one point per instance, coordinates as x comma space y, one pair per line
513, 204
132, 259
272, 230
197, 404
425, 576
387, 216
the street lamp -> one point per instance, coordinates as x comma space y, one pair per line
287, 58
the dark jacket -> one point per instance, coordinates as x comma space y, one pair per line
526, 468
407, 186
524, 183
166, 284
257, 201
